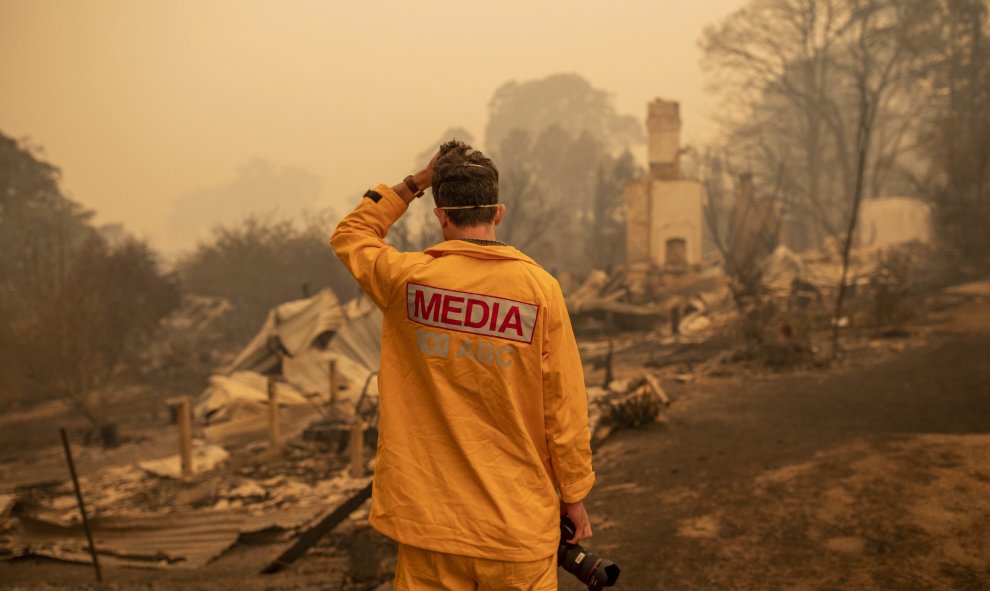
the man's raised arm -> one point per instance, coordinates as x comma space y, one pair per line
359, 239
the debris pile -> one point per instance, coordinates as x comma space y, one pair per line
142, 519
624, 405
252, 479
6, 526
641, 297
314, 351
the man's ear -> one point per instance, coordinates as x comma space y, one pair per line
499, 212
441, 217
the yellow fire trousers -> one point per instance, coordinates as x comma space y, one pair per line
419, 569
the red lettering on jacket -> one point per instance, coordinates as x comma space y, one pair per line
423, 310
494, 316
512, 320
449, 308
469, 312
473, 305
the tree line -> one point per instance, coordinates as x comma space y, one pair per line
75, 303
82, 306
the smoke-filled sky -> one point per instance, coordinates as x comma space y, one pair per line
170, 116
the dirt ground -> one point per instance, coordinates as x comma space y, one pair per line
871, 477
867, 476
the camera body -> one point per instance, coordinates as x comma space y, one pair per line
592, 570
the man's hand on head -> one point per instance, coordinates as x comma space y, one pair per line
423, 180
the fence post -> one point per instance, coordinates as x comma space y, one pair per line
185, 436
356, 446
273, 432
333, 381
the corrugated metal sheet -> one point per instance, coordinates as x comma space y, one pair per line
295, 324
177, 540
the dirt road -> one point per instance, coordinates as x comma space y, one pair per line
868, 478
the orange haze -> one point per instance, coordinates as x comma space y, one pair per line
144, 105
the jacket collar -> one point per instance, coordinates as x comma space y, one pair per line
478, 251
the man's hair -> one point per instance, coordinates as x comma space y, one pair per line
463, 176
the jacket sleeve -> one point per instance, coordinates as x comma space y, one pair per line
359, 241
565, 403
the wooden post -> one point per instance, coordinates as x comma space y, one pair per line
82, 506
609, 376
356, 446
185, 435
273, 433
333, 381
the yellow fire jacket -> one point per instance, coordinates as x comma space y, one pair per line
483, 410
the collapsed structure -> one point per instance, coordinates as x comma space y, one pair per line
665, 274
669, 275
296, 346
151, 514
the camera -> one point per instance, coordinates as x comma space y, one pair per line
592, 570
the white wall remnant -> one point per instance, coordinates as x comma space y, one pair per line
637, 222
676, 214
889, 221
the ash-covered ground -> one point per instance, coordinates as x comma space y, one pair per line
872, 473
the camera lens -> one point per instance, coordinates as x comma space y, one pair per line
591, 569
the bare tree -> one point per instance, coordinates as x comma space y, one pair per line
606, 224
957, 138
877, 56
777, 59
818, 77
526, 203
743, 229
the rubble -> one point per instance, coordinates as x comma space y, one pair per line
186, 540
625, 404
205, 458
6, 502
243, 393
139, 520
296, 343
641, 297
296, 347
146, 513
694, 324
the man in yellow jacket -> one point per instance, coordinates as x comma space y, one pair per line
483, 413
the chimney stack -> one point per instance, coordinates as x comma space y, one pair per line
663, 124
